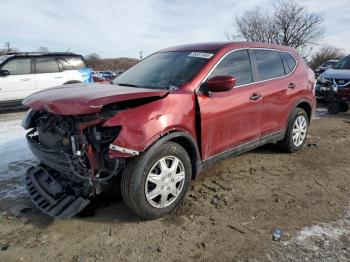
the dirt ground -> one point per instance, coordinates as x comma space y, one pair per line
229, 214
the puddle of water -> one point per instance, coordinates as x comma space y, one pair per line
320, 113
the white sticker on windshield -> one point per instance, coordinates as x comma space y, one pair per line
201, 55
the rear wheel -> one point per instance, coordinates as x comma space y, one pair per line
155, 183
343, 107
72, 82
333, 108
296, 131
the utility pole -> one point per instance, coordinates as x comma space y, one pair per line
141, 53
7, 45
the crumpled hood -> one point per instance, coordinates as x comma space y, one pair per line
336, 73
80, 99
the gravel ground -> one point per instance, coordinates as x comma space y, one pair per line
229, 214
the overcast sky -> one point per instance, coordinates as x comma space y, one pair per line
114, 28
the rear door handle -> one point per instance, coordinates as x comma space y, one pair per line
292, 86
25, 79
255, 97
58, 77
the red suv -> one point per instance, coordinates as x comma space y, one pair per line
160, 123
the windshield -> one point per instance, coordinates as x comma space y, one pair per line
329, 64
343, 63
4, 58
167, 70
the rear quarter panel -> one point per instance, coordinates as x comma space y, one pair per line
287, 99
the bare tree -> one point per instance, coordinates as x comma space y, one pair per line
43, 49
256, 26
92, 57
324, 54
290, 23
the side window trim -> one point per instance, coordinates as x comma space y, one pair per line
254, 67
253, 64
60, 67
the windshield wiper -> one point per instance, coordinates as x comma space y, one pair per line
125, 84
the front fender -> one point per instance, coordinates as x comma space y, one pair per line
143, 125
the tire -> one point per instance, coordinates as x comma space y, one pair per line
141, 172
72, 82
343, 107
333, 108
289, 144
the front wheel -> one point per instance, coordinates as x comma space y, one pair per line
155, 183
296, 131
343, 107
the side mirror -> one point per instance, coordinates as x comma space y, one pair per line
221, 83
4, 73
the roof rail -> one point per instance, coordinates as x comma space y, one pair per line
40, 53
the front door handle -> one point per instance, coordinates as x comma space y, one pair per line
25, 79
255, 97
292, 86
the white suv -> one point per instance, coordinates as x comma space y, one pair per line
22, 74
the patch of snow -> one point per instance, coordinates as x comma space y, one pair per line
331, 230
15, 156
322, 242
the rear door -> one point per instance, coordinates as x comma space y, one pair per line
20, 83
232, 118
48, 73
277, 89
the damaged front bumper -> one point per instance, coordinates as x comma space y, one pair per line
61, 186
54, 159
50, 196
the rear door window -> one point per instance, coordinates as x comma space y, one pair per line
236, 64
289, 61
46, 65
18, 66
72, 63
269, 64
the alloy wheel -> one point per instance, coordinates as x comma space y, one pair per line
165, 181
299, 130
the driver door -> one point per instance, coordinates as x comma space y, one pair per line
232, 118
20, 82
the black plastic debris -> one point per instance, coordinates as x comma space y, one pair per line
50, 196
4, 247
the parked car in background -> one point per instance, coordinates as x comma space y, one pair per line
325, 66
162, 121
108, 75
333, 86
118, 73
24, 73
99, 79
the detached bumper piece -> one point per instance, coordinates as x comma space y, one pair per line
50, 196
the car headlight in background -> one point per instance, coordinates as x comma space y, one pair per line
321, 80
